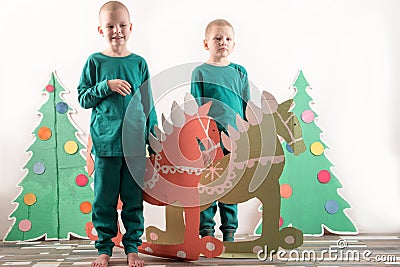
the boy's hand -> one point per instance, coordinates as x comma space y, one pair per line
119, 86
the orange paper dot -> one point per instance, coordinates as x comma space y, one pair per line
30, 199
317, 148
71, 147
44, 133
286, 191
85, 207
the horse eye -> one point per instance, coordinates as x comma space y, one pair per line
294, 124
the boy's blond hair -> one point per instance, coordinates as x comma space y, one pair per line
112, 6
217, 22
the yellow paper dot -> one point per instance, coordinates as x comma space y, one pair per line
30, 199
317, 148
71, 147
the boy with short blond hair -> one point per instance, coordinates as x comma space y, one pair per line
226, 84
109, 81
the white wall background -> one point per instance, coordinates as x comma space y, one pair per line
349, 51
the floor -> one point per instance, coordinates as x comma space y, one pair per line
329, 250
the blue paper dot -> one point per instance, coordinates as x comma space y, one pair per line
289, 148
39, 168
331, 206
61, 107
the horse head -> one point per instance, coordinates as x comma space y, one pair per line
181, 139
286, 123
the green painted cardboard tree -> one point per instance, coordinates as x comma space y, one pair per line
55, 200
310, 200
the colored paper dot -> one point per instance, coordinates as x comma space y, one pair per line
85, 207
286, 191
71, 147
30, 199
153, 236
44, 133
39, 168
331, 206
280, 221
25, 225
81, 180
290, 239
307, 116
61, 107
317, 148
289, 148
49, 88
324, 176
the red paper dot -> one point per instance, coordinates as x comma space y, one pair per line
50, 88
324, 176
25, 225
81, 180
280, 221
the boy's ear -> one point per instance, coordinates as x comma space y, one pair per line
100, 30
205, 44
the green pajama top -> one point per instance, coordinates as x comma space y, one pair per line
228, 89
108, 128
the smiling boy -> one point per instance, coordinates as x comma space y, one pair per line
108, 83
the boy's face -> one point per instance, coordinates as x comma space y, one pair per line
115, 26
219, 41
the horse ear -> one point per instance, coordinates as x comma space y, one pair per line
286, 106
268, 103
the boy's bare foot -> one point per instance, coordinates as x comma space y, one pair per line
134, 260
101, 261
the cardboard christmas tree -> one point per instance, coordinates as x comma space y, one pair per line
56, 194
309, 192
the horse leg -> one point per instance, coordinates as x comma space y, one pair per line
271, 203
174, 229
270, 199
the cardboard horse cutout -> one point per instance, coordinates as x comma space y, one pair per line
179, 178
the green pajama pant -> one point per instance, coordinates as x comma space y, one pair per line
228, 214
112, 178
229, 220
